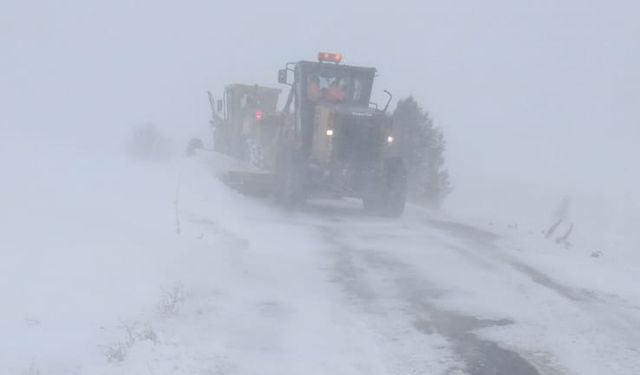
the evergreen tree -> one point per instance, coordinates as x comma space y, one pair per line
423, 147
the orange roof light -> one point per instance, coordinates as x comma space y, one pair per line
329, 57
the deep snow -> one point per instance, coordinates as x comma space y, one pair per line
99, 277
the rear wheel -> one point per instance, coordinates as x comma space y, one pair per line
254, 153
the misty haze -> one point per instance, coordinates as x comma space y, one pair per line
327, 187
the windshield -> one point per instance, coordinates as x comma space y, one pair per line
256, 99
338, 86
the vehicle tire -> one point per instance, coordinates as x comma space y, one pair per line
372, 204
395, 192
193, 146
390, 199
218, 140
255, 153
289, 183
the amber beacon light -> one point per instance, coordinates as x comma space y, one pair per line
329, 57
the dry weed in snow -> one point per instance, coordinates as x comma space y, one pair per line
171, 300
118, 351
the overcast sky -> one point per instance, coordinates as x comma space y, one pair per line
535, 89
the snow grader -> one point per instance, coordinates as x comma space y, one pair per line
244, 123
329, 140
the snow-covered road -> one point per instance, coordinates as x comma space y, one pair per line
249, 288
498, 314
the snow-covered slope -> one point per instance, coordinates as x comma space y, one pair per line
113, 265
86, 240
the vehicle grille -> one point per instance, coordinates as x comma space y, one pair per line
358, 138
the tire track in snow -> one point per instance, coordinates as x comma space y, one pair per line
615, 316
477, 238
415, 296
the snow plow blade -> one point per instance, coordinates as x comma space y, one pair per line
259, 184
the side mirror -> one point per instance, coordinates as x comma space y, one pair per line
388, 101
219, 104
282, 76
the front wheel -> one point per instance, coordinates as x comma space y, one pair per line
220, 141
289, 180
390, 197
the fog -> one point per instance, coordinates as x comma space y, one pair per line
537, 100
548, 89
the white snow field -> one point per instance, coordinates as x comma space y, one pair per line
117, 266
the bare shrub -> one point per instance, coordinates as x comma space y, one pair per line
561, 220
117, 352
32, 370
146, 333
133, 332
171, 300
